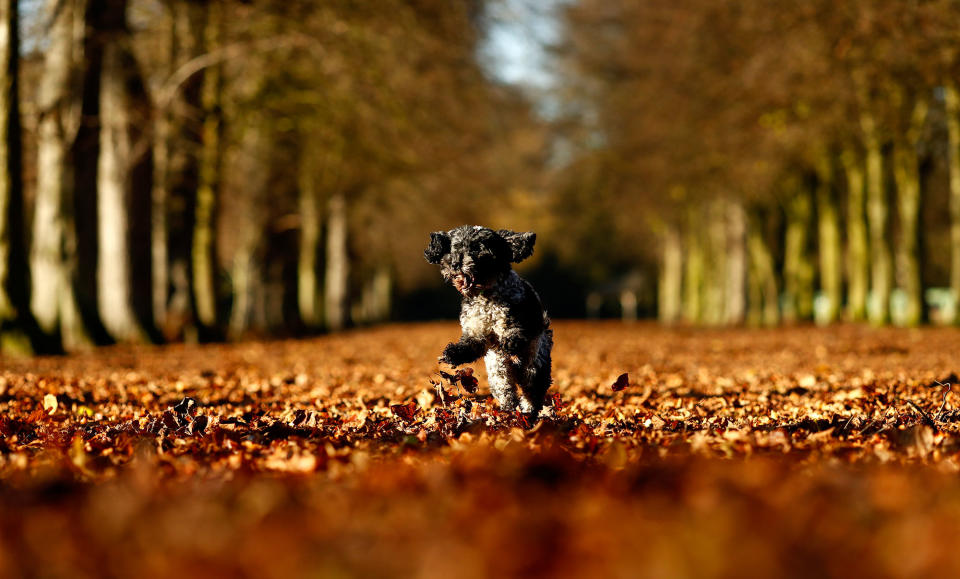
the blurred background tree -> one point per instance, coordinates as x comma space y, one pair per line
201, 170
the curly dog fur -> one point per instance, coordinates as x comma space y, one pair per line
501, 316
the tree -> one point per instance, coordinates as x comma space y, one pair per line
58, 276
124, 183
204, 256
15, 320
178, 167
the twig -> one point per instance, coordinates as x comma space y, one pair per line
943, 403
923, 412
844, 429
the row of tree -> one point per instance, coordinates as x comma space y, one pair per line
202, 169
794, 160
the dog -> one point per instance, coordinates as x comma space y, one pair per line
501, 316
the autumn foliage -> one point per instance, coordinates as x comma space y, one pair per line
663, 453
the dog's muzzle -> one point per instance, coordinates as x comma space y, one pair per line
463, 282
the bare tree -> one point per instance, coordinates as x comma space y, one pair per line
123, 186
14, 299
55, 252
211, 159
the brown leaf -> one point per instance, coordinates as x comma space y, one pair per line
464, 377
450, 378
170, 420
199, 425
623, 380
406, 412
469, 383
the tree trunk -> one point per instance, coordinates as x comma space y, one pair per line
162, 144
754, 293
797, 270
736, 306
671, 276
693, 280
906, 171
160, 255
828, 230
858, 264
54, 254
242, 273
185, 130
717, 276
881, 266
15, 322
953, 160
204, 232
765, 295
628, 306
246, 271
375, 304
337, 278
382, 289
113, 275
308, 299
123, 273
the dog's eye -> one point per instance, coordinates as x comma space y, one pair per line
480, 249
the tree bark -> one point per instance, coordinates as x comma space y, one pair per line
15, 321
858, 264
717, 276
953, 160
54, 254
693, 279
736, 306
797, 270
182, 174
123, 266
204, 231
246, 271
382, 289
828, 230
113, 275
308, 298
375, 305
764, 292
881, 263
243, 274
337, 278
906, 171
671, 276
162, 144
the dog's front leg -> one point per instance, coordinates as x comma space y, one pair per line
468, 349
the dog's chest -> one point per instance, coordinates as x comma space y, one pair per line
485, 318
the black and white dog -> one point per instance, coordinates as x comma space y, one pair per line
501, 316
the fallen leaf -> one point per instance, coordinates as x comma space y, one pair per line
50, 403
623, 380
469, 383
407, 412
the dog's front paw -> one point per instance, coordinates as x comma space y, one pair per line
449, 355
455, 354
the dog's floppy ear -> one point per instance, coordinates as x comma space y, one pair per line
521, 244
439, 246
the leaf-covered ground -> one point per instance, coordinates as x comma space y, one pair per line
743, 453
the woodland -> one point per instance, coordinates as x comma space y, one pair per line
207, 171
219, 337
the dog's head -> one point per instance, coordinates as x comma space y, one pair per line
473, 258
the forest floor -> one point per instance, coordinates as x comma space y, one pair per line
749, 453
